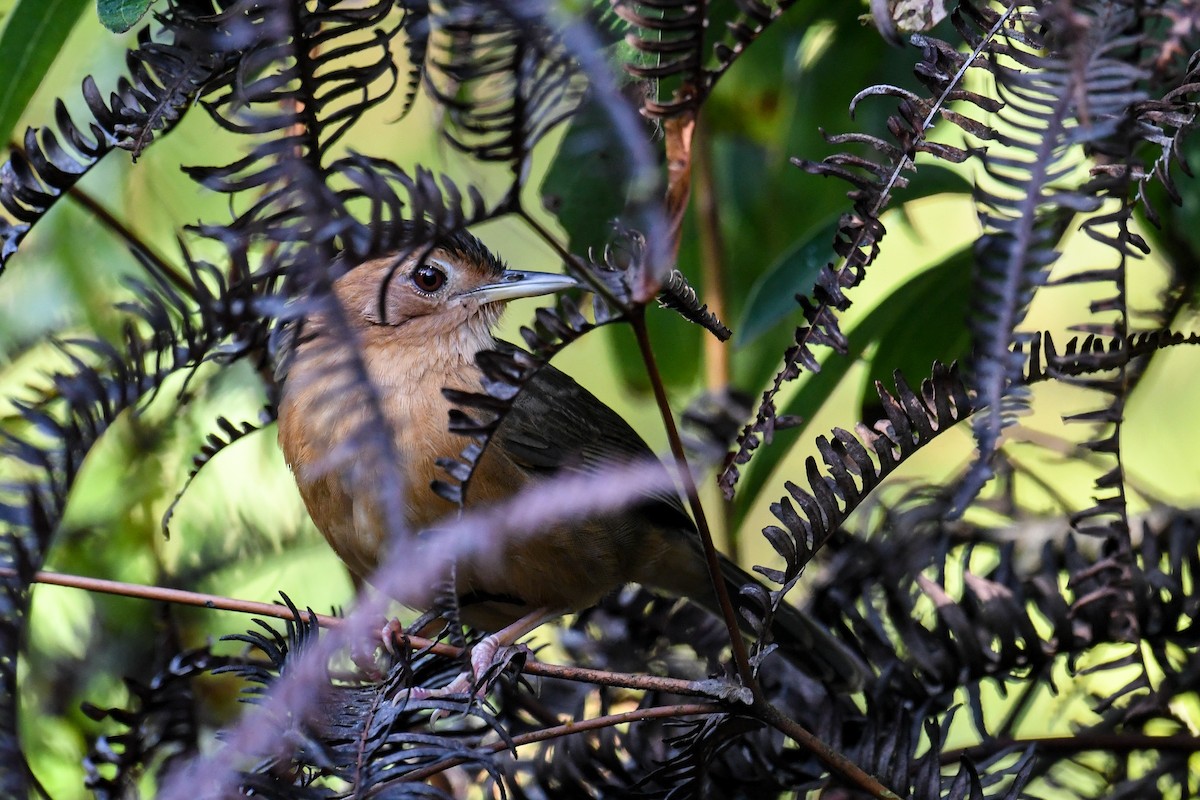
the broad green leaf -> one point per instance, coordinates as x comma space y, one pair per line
33, 35
585, 186
931, 179
908, 307
932, 328
773, 297
121, 15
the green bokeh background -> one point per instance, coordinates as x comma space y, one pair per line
241, 529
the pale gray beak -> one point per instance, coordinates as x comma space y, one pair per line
515, 283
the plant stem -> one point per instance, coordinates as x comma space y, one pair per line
177, 596
131, 239
577, 267
741, 657
712, 267
598, 677
829, 757
717, 372
570, 728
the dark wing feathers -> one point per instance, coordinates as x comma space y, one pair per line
555, 424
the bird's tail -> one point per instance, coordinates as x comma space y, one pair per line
801, 638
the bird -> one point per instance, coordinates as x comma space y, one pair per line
420, 316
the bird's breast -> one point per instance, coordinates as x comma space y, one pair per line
330, 439
331, 431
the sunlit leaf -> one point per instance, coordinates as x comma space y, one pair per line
121, 15
903, 310
931, 328
33, 35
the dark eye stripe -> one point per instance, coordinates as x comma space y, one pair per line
428, 279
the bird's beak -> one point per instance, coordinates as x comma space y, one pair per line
516, 283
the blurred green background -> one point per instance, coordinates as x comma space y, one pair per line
241, 529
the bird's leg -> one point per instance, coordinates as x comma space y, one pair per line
484, 652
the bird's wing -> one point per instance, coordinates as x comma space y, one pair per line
555, 424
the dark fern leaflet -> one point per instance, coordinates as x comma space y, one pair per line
162, 80
502, 84
683, 48
168, 333
942, 69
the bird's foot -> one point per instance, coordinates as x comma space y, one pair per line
475, 682
391, 633
365, 654
489, 658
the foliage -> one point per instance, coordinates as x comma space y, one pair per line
969, 601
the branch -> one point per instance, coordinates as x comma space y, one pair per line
598, 677
569, 728
741, 657
1078, 743
828, 756
177, 596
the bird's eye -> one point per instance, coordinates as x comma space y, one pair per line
428, 279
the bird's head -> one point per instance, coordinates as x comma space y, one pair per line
452, 291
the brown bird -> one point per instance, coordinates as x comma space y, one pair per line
420, 320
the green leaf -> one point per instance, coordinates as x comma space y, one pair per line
585, 187
773, 298
32, 38
121, 15
931, 328
931, 179
914, 305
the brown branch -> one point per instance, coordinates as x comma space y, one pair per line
116, 226
597, 677
131, 239
1078, 743
177, 596
828, 756
574, 265
570, 728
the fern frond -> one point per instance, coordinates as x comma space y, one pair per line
162, 80
501, 76
942, 69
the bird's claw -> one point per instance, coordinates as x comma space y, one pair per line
472, 684
391, 633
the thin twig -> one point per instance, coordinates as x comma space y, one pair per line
1078, 743
570, 728
741, 657
571, 260
177, 596
828, 756
532, 666
131, 239
106, 218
